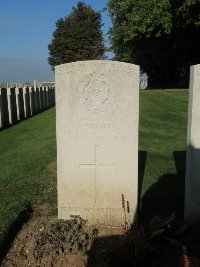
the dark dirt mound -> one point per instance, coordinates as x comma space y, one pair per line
45, 241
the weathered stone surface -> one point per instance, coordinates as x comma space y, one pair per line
97, 111
12, 105
192, 184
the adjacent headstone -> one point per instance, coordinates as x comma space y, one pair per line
33, 102
37, 98
4, 109
20, 104
12, 105
45, 97
41, 99
97, 112
192, 184
143, 84
50, 97
27, 105
53, 96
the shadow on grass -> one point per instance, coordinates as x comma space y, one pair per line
142, 157
112, 250
13, 230
167, 195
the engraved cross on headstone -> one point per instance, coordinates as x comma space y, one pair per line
96, 165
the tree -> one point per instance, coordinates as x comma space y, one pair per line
162, 36
77, 37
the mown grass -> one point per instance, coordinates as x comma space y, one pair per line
29, 148
163, 131
26, 151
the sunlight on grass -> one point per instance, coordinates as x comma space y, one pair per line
26, 150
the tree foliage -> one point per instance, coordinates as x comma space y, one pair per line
162, 36
77, 37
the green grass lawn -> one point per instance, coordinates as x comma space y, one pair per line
163, 133
28, 151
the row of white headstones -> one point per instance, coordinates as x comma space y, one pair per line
97, 142
17, 104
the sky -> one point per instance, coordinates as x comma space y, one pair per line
26, 28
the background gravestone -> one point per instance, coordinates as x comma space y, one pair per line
27, 102
45, 97
37, 98
97, 111
20, 101
33, 102
4, 109
192, 184
41, 98
13, 105
53, 96
50, 97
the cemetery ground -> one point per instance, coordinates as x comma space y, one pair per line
28, 194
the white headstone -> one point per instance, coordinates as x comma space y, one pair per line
9, 105
143, 84
192, 184
97, 113
17, 102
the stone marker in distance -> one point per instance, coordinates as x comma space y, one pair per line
97, 113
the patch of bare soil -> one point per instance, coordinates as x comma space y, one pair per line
26, 252
45, 241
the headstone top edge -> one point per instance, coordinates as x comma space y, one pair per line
194, 71
86, 62
196, 66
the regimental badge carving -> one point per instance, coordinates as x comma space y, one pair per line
95, 92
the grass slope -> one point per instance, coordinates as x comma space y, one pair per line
29, 148
26, 151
